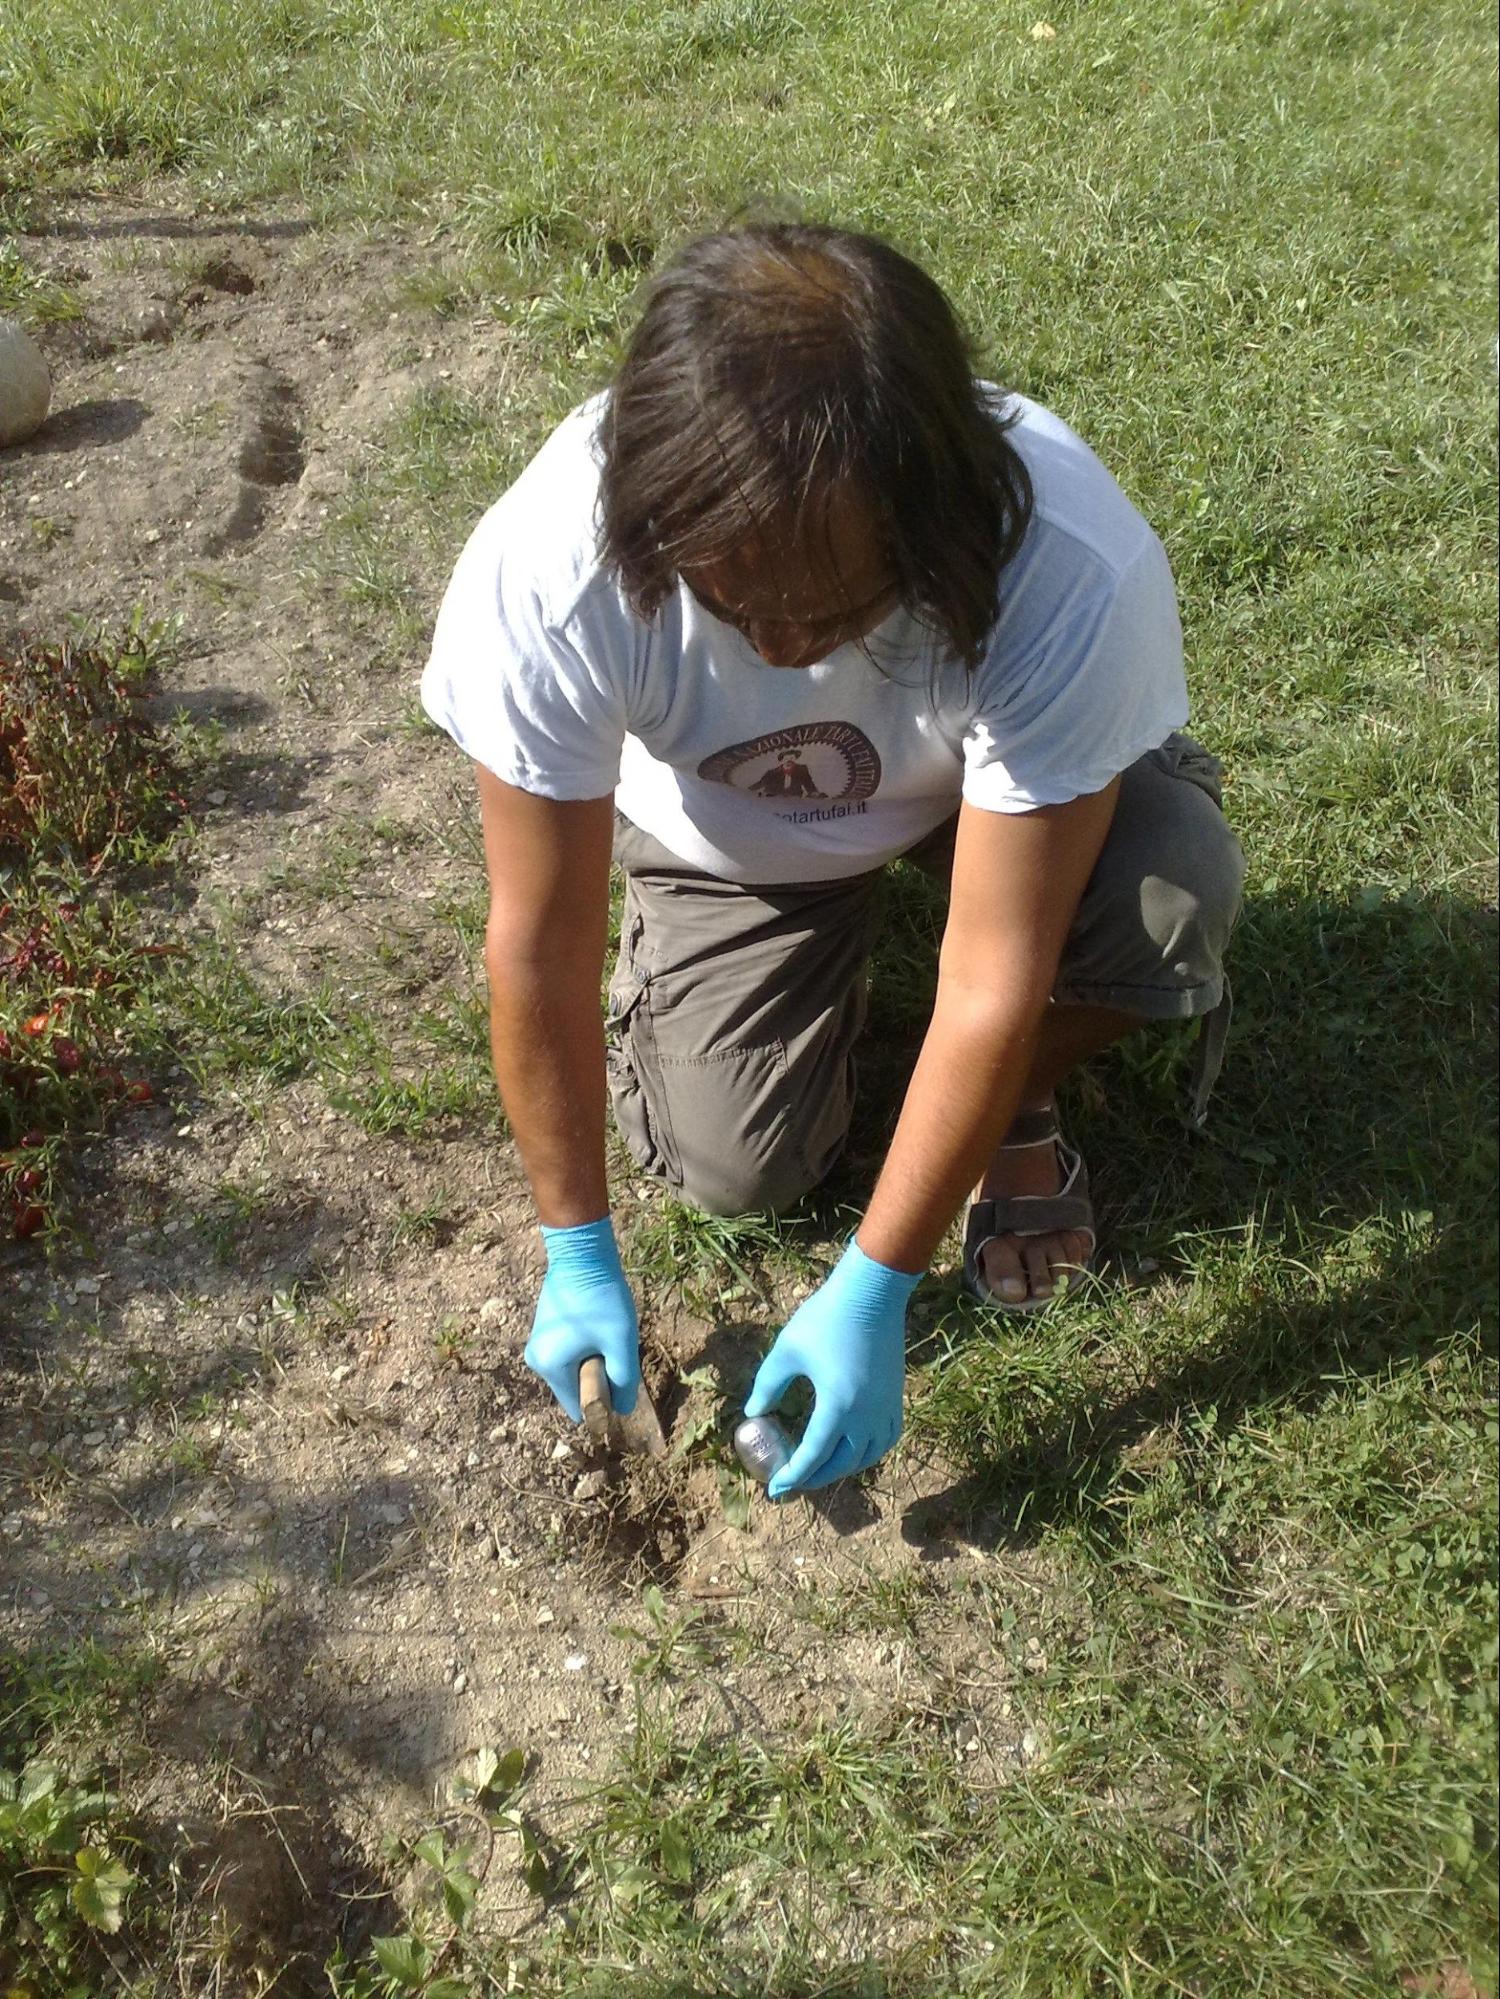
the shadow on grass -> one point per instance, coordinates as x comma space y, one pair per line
1355, 1116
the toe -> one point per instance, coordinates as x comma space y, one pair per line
1039, 1267
1004, 1272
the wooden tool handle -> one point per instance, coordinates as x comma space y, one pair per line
639, 1431
595, 1400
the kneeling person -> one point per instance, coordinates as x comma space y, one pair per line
795, 596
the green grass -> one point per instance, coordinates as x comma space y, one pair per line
1247, 247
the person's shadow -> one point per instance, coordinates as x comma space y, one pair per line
1355, 1115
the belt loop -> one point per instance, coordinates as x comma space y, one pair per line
1208, 1056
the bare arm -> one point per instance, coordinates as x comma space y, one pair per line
548, 863
1017, 882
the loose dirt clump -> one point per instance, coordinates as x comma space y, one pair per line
267, 1409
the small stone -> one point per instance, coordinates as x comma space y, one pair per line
95, 1437
25, 384
562, 1450
217, 797
492, 1313
154, 322
460, 1682
593, 1485
391, 1514
88, 1286
575, 1662
545, 1616
318, 1737
343, 1371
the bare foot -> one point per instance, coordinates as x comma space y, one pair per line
1016, 1267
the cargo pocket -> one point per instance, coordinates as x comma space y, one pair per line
630, 1063
730, 1123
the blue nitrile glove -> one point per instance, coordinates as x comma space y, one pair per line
585, 1308
849, 1339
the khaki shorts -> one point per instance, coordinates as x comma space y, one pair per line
734, 1010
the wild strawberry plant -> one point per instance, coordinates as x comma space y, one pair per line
61, 1883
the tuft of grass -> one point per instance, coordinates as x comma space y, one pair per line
714, 1263
28, 296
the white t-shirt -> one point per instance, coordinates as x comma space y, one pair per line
541, 671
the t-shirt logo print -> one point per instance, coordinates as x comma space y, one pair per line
832, 760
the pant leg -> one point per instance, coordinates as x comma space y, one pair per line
1155, 919
1154, 922
733, 1015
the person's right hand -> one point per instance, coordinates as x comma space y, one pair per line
585, 1308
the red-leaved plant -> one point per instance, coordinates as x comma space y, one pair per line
85, 777
81, 767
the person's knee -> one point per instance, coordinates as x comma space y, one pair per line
1189, 913
728, 1181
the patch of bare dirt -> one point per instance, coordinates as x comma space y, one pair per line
270, 1432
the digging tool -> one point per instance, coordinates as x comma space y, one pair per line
640, 1431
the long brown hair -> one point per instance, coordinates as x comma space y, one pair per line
777, 363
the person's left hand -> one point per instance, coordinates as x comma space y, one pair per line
849, 1340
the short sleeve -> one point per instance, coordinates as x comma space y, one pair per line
538, 701
1095, 681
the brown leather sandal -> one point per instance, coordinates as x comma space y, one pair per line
1030, 1214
